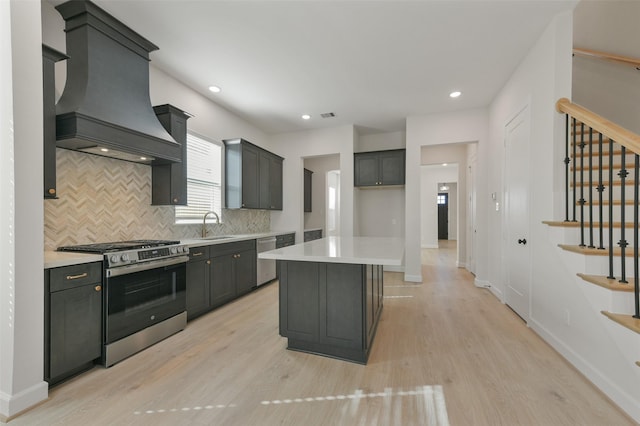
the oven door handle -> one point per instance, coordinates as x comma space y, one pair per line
145, 266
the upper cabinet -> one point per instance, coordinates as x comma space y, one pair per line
379, 168
169, 180
49, 58
253, 177
308, 174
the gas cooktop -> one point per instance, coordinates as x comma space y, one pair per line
118, 246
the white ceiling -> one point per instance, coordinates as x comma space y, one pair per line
372, 63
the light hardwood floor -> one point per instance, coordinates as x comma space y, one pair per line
446, 352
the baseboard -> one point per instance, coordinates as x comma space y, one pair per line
496, 292
12, 405
394, 268
433, 246
413, 278
619, 397
461, 265
481, 283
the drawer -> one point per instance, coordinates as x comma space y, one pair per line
230, 248
74, 276
198, 253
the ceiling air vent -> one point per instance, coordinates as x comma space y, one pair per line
328, 115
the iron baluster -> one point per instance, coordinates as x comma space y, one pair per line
623, 242
600, 190
611, 276
636, 262
591, 188
573, 127
567, 160
582, 200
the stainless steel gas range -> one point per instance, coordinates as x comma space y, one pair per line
144, 299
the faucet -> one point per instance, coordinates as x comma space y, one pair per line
204, 222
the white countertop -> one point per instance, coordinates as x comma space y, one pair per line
56, 259
358, 250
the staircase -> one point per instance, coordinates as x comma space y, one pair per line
602, 169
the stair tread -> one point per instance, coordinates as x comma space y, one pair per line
576, 224
602, 281
594, 251
625, 320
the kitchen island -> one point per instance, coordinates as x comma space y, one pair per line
331, 293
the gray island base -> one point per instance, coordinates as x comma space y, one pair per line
331, 293
330, 309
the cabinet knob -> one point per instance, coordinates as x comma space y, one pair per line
208, 262
52, 191
175, 201
98, 288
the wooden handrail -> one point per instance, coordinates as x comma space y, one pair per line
634, 62
619, 134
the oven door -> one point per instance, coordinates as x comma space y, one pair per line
138, 296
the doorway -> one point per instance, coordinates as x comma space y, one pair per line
443, 216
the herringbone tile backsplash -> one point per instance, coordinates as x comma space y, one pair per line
102, 199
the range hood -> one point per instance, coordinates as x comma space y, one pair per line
105, 108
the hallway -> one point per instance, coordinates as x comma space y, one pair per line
446, 352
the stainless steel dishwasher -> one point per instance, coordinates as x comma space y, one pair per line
266, 269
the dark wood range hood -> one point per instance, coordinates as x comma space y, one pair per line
105, 104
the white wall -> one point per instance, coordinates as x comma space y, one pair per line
319, 166
459, 128
587, 341
21, 252
380, 211
300, 145
430, 176
608, 88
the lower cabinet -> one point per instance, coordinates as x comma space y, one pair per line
219, 273
311, 235
330, 308
73, 320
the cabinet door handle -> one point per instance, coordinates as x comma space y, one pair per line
197, 254
75, 277
98, 287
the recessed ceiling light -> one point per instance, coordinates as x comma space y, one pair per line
455, 94
215, 89
444, 164
306, 116
143, 158
104, 150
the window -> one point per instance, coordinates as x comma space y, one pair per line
204, 180
442, 199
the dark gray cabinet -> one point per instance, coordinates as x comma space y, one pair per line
379, 168
198, 277
308, 178
330, 308
73, 320
314, 234
217, 274
49, 58
253, 177
233, 270
284, 240
169, 180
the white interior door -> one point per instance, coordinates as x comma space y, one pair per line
517, 245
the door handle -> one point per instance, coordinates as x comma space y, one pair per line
522, 241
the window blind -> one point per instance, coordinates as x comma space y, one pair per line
204, 180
